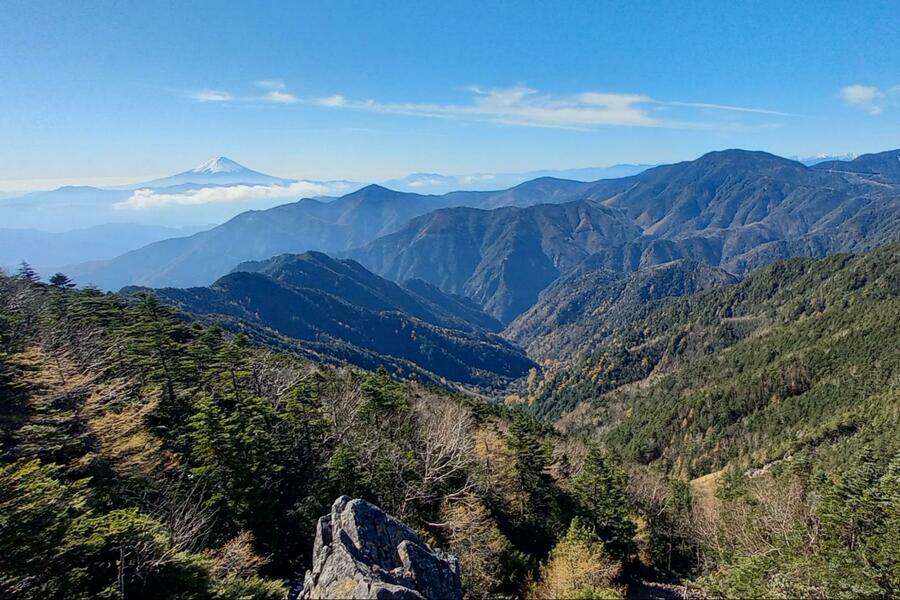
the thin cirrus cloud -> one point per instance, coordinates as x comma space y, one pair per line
273, 91
868, 98
524, 106
521, 105
211, 96
144, 199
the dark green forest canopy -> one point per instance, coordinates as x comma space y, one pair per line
146, 455
642, 340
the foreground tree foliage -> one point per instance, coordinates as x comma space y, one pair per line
760, 429
578, 567
146, 455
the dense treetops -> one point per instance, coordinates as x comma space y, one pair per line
144, 455
645, 337
337, 309
742, 439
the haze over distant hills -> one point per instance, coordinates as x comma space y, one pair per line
52, 251
735, 209
213, 192
333, 226
220, 188
434, 183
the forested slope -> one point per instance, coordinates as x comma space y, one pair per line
337, 311
779, 397
647, 339
143, 455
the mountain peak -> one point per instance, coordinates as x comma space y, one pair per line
220, 164
374, 187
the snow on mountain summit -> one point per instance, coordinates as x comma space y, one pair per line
217, 171
220, 164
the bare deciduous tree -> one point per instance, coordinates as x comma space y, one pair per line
445, 450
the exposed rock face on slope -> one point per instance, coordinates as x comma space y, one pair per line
361, 552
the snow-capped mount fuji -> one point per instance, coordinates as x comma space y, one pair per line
217, 171
72, 207
220, 164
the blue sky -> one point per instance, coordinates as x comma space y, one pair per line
107, 91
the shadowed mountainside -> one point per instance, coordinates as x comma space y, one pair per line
338, 311
734, 209
346, 222
502, 258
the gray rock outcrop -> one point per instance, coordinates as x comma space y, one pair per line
362, 552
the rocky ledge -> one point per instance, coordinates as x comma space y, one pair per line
362, 552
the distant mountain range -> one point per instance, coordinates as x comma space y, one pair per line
883, 167
74, 207
433, 183
53, 251
732, 209
333, 226
78, 207
735, 209
336, 310
819, 158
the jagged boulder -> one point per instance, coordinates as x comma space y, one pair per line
362, 552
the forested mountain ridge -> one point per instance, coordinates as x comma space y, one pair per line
146, 455
763, 392
309, 224
352, 282
336, 310
734, 209
648, 339
739, 209
501, 258
582, 308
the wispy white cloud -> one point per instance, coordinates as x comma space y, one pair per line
521, 105
275, 91
728, 107
147, 198
336, 100
271, 84
280, 97
211, 96
869, 98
